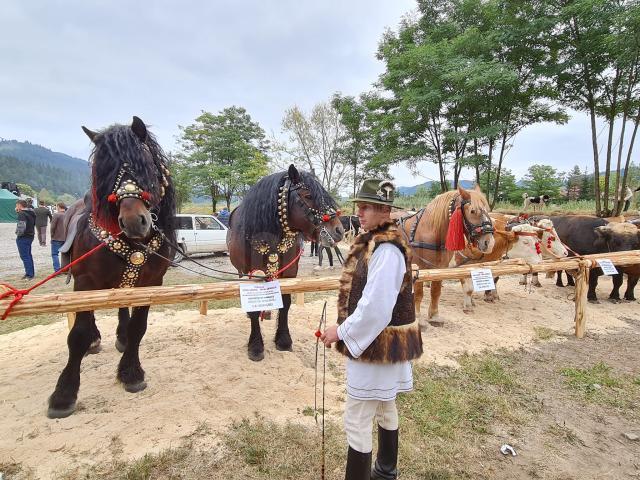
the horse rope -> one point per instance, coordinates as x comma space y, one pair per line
318, 334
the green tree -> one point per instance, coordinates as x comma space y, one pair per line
66, 199
26, 190
543, 180
225, 153
182, 179
597, 53
46, 197
574, 183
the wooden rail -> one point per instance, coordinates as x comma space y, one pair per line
103, 299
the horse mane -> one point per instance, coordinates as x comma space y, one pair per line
113, 147
437, 210
258, 214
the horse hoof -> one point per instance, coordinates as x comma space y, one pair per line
94, 348
436, 323
256, 356
538, 285
615, 300
467, 310
522, 282
135, 387
61, 412
594, 301
120, 346
284, 347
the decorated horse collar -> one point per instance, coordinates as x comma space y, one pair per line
134, 258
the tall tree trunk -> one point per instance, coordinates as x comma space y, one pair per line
636, 122
620, 187
488, 189
213, 191
612, 120
498, 171
596, 162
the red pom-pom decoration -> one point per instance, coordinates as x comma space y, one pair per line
538, 249
146, 196
318, 334
113, 198
326, 218
455, 233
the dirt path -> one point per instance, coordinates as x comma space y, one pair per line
198, 371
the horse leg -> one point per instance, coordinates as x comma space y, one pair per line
433, 317
523, 280
130, 372
124, 317
467, 297
62, 401
283, 339
570, 282
632, 281
535, 281
418, 295
256, 346
559, 282
96, 338
614, 296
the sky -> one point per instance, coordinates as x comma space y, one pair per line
72, 63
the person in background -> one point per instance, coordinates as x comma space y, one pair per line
314, 249
43, 215
25, 229
57, 234
223, 216
377, 332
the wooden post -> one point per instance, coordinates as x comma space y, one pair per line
582, 287
71, 319
300, 299
203, 307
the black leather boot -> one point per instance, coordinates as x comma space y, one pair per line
386, 464
358, 465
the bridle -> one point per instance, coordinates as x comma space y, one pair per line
473, 231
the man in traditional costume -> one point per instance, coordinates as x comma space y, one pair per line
377, 331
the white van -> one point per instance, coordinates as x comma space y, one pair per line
200, 234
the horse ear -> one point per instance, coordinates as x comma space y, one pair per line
92, 135
464, 193
293, 174
139, 128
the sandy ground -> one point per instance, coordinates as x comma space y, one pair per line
198, 372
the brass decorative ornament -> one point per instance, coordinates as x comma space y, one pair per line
137, 258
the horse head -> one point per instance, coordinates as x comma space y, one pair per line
131, 184
309, 208
478, 227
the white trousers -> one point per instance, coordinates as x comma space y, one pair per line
358, 421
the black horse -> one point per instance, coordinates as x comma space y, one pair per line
266, 232
131, 193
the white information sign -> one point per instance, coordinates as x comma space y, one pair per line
258, 297
607, 266
482, 279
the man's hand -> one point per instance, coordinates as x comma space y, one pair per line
330, 335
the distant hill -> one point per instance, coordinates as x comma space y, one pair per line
39, 167
408, 191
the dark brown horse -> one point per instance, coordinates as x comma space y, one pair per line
267, 231
132, 193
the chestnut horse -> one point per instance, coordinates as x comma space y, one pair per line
132, 193
434, 241
266, 233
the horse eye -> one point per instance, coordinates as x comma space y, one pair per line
473, 210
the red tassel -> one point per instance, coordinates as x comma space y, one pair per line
146, 196
455, 233
112, 198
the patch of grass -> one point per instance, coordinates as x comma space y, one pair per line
564, 433
636, 381
544, 333
10, 470
598, 384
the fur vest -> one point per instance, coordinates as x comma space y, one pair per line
400, 340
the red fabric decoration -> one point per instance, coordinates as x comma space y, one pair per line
326, 218
455, 233
146, 196
113, 198
318, 333
538, 249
